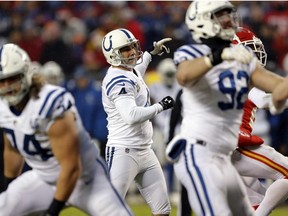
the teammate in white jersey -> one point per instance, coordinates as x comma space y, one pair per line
251, 158
42, 126
215, 75
126, 100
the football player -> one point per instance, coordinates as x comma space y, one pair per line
251, 158
215, 76
53, 73
126, 100
41, 126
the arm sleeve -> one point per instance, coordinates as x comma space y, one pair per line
57, 104
259, 98
131, 113
144, 65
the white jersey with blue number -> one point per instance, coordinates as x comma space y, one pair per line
212, 106
119, 84
27, 132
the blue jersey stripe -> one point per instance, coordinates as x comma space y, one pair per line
112, 80
119, 81
192, 50
197, 50
50, 110
187, 52
46, 101
111, 157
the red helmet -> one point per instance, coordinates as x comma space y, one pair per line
248, 38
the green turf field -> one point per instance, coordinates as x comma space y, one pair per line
143, 210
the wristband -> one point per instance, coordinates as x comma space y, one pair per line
55, 207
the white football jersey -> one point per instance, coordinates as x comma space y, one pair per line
121, 84
27, 132
212, 106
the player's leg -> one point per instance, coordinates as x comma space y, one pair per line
276, 194
151, 183
99, 197
201, 172
265, 162
255, 190
123, 167
236, 192
260, 162
26, 194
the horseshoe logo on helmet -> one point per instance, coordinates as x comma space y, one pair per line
196, 12
110, 44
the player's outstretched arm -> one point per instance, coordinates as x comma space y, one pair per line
132, 114
271, 82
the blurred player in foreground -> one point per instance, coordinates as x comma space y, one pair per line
215, 76
126, 100
250, 145
251, 158
42, 126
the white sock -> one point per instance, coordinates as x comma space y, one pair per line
276, 193
255, 190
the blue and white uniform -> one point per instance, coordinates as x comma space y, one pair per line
126, 100
34, 190
212, 113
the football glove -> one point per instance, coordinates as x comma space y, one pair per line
167, 102
247, 139
221, 50
238, 53
159, 48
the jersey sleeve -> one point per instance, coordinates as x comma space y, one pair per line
120, 86
56, 103
259, 98
144, 64
190, 52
